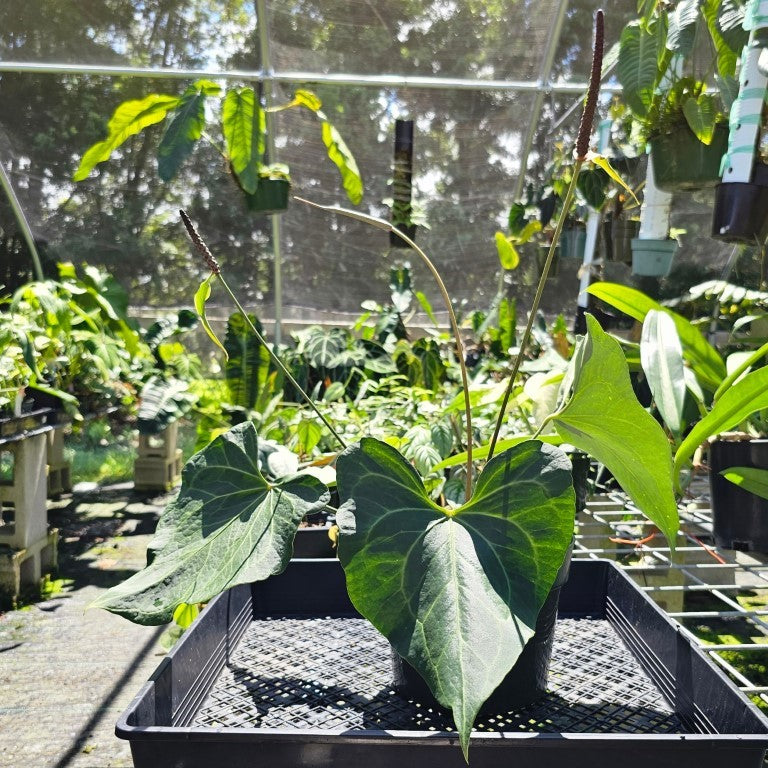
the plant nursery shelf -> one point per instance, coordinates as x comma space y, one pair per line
284, 673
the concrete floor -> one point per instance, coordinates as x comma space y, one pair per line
66, 673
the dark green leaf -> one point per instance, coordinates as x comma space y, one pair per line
228, 526
701, 116
682, 27
456, 592
185, 128
637, 67
603, 418
244, 126
517, 219
248, 361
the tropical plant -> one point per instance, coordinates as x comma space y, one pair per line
243, 126
655, 65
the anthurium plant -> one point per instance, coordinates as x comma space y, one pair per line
456, 589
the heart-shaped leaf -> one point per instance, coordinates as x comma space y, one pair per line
701, 116
228, 526
456, 592
603, 418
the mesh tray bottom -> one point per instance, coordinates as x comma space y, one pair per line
333, 673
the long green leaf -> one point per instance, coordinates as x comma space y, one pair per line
185, 128
482, 451
244, 126
339, 153
682, 27
745, 365
129, 118
228, 526
702, 356
661, 356
637, 66
248, 361
749, 478
744, 398
202, 295
603, 418
456, 592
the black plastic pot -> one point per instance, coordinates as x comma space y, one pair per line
525, 683
572, 242
652, 258
622, 232
271, 196
285, 673
681, 161
541, 258
740, 214
313, 541
28, 422
739, 518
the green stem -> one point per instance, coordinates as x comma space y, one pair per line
279, 363
536, 301
385, 225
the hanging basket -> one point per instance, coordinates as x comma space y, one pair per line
622, 232
652, 258
572, 243
271, 196
681, 161
741, 210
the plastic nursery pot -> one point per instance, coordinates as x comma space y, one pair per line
541, 258
312, 540
739, 518
409, 230
572, 242
741, 210
271, 196
681, 161
652, 258
525, 682
623, 231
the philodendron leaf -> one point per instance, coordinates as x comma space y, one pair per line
702, 356
603, 418
244, 126
744, 398
661, 356
456, 592
701, 116
749, 478
228, 526
339, 153
130, 118
185, 128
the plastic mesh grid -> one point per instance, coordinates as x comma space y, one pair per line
334, 673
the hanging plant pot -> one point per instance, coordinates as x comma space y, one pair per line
271, 196
525, 683
623, 232
652, 258
541, 259
572, 243
739, 518
741, 210
681, 161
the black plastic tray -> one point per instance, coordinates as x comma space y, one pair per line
285, 673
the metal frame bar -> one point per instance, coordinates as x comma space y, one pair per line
614, 516
297, 76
